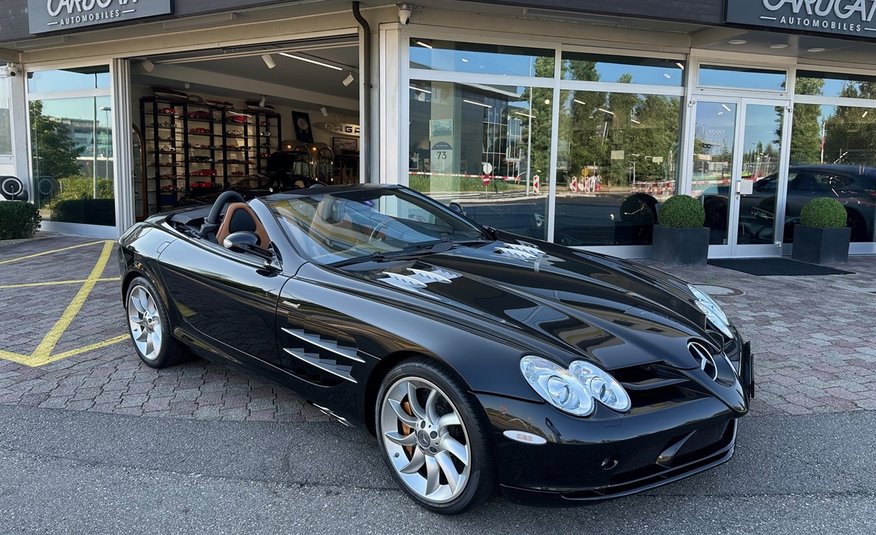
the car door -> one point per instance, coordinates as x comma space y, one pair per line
228, 297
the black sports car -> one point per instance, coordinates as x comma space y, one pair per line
479, 359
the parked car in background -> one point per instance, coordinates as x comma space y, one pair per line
854, 186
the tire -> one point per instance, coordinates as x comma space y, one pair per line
443, 460
147, 317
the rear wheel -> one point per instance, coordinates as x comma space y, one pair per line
149, 326
434, 438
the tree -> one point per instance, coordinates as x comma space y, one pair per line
806, 129
54, 152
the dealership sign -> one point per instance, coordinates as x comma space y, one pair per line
842, 17
345, 129
56, 15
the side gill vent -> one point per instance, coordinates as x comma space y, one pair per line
703, 357
520, 252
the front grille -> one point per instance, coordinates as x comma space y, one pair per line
654, 386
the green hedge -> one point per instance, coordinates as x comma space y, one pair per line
80, 187
89, 211
682, 211
824, 212
18, 219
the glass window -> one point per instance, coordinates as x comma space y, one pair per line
617, 159
68, 80
742, 78
481, 59
835, 85
5, 120
833, 154
485, 147
72, 159
598, 68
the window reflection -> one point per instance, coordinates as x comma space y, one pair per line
742, 78
72, 160
617, 159
599, 68
480, 58
833, 152
5, 124
485, 147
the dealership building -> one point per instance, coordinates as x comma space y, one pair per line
564, 121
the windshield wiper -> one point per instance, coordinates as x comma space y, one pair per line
417, 249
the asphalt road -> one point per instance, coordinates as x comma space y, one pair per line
81, 472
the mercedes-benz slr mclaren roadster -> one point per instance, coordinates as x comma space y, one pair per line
480, 360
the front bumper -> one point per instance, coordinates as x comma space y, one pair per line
610, 455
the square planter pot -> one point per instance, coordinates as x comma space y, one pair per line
681, 246
821, 245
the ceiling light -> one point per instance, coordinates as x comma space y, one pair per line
778, 46
680, 65
348, 80
634, 121
865, 114
667, 75
481, 104
603, 110
148, 66
736, 42
581, 102
262, 102
464, 60
313, 61
547, 101
525, 114
269, 60
726, 107
816, 50
421, 90
425, 45
323, 111
720, 113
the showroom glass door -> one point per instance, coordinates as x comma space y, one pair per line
737, 173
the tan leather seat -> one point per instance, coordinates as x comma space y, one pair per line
239, 217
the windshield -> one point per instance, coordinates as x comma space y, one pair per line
333, 227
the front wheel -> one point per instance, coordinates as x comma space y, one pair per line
149, 326
434, 439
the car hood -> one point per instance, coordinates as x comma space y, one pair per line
614, 312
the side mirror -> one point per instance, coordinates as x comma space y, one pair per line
245, 241
456, 207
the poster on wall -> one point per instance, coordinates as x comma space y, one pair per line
303, 132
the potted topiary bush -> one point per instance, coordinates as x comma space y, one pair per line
822, 236
680, 237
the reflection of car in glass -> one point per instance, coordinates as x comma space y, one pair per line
852, 185
478, 358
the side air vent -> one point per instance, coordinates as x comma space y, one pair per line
703, 356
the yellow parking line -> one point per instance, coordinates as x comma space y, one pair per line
78, 351
49, 252
44, 350
43, 353
55, 283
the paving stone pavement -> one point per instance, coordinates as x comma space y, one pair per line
815, 350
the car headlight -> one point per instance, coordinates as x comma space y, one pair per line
603, 387
574, 390
712, 311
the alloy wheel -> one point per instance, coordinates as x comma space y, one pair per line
145, 323
425, 439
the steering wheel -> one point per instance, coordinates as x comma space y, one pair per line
211, 224
376, 228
